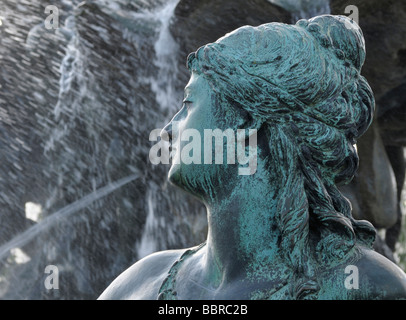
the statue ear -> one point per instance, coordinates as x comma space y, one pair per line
241, 119
251, 124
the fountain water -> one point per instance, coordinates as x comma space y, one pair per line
100, 84
62, 215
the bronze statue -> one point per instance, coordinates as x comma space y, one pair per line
283, 231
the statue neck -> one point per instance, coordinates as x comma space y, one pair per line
242, 229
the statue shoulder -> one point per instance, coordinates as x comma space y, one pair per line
143, 279
370, 276
383, 278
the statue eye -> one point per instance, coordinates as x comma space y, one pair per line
187, 104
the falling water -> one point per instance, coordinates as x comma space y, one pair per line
166, 50
96, 87
62, 215
162, 85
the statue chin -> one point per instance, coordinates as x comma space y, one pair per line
178, 176
193, 180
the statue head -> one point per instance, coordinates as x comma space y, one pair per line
300, 86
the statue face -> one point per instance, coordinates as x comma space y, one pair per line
195, 167
186, 132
